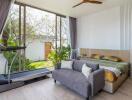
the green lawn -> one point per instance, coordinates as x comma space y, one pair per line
41, 64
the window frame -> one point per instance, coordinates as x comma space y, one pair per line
24, 27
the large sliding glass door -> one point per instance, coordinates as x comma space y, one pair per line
40, 31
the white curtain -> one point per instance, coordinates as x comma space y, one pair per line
125, 13
131, 35
126, 27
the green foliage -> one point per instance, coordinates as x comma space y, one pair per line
15, 67
59, 54
27, 65
40, 64
9, 56
11, 32
11, 42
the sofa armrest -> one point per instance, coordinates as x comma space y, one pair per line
58, 66
97, 81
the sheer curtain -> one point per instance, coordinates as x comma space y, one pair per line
126, 27
131, 35
5, 6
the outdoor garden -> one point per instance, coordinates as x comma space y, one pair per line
15, 34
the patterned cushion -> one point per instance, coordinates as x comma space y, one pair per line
96, 56
112, 58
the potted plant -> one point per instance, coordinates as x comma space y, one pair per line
59, 54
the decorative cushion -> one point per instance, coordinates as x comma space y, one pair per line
66, 64
93, 66
112, 58
77, 65
86, 70
96, 56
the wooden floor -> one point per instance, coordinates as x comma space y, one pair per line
47, 90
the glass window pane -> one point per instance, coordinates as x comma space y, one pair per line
58, 31
64, 32
11, 37
12, 27
40, 36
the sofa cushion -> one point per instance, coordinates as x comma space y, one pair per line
94, 66
61, 74
66, 64
77, 65
73, 80
86, 70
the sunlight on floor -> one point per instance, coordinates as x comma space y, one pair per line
41, 64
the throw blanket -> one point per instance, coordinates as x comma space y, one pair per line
111, 74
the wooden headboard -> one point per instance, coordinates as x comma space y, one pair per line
123, 54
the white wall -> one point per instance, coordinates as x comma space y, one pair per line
100, 30
35, 50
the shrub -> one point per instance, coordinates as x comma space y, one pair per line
59, 54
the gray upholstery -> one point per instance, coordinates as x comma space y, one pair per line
77, 65
97, 81
76, 81
93, 66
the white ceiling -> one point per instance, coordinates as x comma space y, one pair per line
65, 6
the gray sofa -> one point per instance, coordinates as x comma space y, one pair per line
77, 82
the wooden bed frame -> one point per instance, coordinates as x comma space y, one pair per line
123, 54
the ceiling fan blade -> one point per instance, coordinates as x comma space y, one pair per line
78, 4
96, 2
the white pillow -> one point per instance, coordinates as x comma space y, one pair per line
114, 70
86, 70
66, 64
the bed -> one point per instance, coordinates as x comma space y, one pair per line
112, 81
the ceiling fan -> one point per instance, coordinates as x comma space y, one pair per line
88, 1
